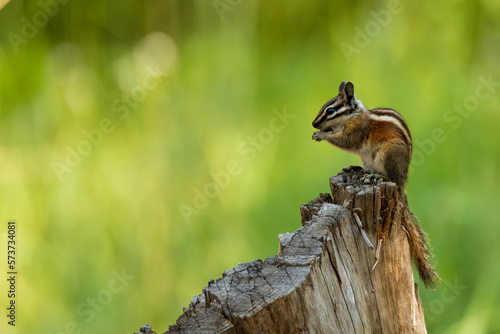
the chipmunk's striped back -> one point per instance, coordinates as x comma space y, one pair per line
393, 117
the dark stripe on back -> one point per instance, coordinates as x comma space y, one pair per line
400, 132
392, 113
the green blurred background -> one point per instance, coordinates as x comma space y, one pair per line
113, 115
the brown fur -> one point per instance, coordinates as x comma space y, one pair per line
420, 250
382, 139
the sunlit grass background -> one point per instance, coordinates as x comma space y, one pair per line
225, 70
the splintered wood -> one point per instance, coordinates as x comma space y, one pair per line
321, 281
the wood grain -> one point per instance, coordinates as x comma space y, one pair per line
321, 280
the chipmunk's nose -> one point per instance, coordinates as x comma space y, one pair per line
316, 122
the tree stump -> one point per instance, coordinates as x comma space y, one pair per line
323, 279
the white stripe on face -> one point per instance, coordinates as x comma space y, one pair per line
336, 112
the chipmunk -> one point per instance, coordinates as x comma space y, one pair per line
383, 141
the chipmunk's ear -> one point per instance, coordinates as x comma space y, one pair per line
349, 94
349, 90
341, 87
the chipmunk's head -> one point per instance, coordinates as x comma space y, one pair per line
339, 109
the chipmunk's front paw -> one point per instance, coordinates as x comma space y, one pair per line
318, 136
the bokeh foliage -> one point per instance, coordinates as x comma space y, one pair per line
229, 66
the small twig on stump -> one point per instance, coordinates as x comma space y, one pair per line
363, 233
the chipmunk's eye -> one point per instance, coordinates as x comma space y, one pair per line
330, 111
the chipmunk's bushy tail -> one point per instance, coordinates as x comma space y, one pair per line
420, 249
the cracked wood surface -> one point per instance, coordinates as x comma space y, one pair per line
321, 281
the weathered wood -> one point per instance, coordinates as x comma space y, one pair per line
322, 281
